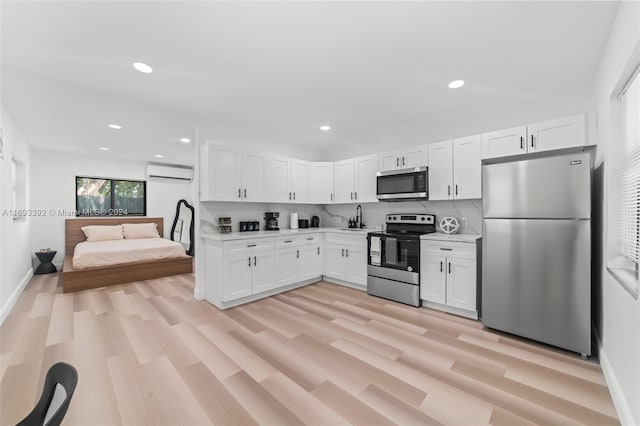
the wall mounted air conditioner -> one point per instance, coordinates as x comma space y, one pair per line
169, 172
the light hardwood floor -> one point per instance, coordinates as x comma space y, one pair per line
148, 353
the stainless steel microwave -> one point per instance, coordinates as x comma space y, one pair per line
403, 185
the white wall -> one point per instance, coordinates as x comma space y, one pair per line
616, 312
53, 176
15, 247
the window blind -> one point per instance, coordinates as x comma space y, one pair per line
630, 174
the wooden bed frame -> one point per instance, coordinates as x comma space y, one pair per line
83, 279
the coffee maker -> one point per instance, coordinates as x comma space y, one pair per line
271, 221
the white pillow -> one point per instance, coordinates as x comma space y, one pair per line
140, 230
103, 232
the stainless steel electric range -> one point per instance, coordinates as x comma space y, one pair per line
393, 270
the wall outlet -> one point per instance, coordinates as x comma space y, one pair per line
464, 222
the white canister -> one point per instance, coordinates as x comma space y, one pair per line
293, 221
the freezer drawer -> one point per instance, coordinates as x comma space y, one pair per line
536, 280
552, 187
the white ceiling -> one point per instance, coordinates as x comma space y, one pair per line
273, 72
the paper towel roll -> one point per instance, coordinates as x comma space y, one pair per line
293, 221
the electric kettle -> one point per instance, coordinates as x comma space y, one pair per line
315, 222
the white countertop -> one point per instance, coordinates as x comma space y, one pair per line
441, 236
283, 232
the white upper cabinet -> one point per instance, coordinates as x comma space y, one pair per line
504, 142
455, 171
343, 181
300, 171
389, 161
467, 168
440, 171
254, 177
415, 157
278, 179
403, 159
545, 136
557, 134
365, 179
321, 183
221, 174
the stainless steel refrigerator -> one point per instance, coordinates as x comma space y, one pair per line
536, 268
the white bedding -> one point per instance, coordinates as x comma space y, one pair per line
116, 252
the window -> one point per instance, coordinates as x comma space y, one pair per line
110, 197
625, 265
630, 132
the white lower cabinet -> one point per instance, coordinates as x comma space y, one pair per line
310, 262
298, 259
449, 276
247, 273
346, 258
240, 271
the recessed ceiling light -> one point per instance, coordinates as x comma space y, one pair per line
456, 83
158, 156
143, 67
103, 148
325, 128
185, 140
115, 126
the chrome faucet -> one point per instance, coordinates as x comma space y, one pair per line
360, 223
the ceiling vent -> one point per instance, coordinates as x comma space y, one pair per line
169, 172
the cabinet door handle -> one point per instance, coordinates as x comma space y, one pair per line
531, 141
441, 266
251, 245
456, 189
351, 195
289, 195
249, 261
318, 250
294, 195
347, 252
245, 193
449, 267
448, 189
298, 253
356, 195
397, 161
310, 238
255, 260
447, 249
521, 142
288, 241
331, 195
403, 160
342, 252
239, 193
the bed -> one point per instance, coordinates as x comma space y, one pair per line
105, 263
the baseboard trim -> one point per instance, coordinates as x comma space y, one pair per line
198, 294
619, 401
345, 283
6, 309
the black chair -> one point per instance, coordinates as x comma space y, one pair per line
58, 389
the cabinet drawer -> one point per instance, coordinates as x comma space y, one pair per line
239, 247
449, 249
288, 241
347, 240
310, 239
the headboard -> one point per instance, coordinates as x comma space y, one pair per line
73, 233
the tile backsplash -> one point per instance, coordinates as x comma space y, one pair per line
337, 215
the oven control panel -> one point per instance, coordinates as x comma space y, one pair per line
414, 219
